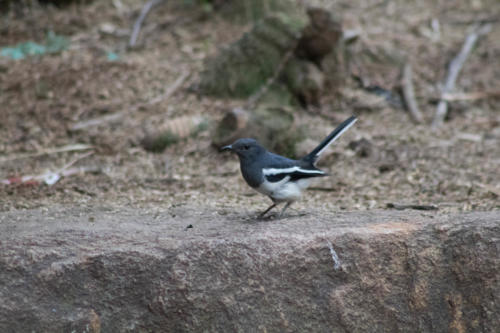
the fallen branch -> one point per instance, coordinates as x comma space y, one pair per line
115, 116
324, 189
138, 23
416, 207
48, 151
97, 121
472, 96
409, 94
171, 89
454, 69
73, 161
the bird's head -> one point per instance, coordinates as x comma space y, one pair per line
245, 148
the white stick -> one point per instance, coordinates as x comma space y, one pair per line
454, 69
138, 23
171, 89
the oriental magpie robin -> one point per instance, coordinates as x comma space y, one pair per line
280, 178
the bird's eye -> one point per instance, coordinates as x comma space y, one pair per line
246, 147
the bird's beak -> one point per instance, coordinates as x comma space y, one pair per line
230, 147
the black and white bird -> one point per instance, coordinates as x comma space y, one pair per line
280, 178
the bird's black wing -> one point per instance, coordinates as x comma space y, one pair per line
278, 167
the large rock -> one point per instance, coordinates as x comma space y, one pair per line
125, 270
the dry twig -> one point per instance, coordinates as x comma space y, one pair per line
454, 69
252, 100
97, 121
412, 206
171, 89
409, 94
73, 161
48, 151
471, 96
138, 23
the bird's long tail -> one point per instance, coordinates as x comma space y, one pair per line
313, 156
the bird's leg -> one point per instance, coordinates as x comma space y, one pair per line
284, 208
261, 215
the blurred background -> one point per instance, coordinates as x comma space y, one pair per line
126, 102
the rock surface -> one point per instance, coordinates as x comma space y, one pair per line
106, 270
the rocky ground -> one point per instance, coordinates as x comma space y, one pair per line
50, 102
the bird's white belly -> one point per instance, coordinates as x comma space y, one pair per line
284, 190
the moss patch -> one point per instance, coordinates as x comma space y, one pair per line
244, 67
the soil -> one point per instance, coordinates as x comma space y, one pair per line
385, 158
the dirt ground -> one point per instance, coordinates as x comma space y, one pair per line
46, 103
